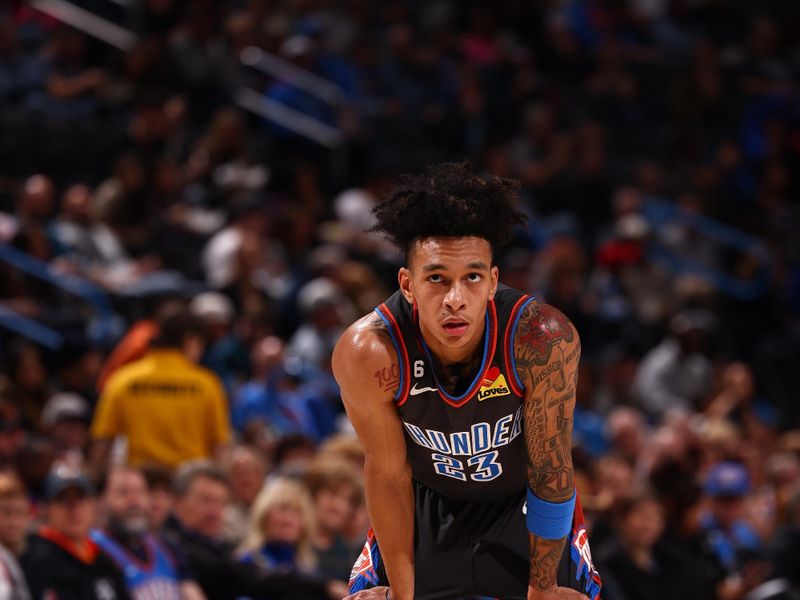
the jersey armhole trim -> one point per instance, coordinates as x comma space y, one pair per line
400, 349
511, 364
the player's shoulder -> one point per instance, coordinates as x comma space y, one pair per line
542, 325
366, 338
365, 343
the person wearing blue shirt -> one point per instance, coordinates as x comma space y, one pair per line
151, 568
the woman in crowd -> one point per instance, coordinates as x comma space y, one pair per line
282, 523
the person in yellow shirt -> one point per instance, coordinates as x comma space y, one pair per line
170, 409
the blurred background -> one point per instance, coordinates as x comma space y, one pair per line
185, 189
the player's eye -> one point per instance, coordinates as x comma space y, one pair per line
435, 278
474, 277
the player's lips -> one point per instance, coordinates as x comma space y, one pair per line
455, 327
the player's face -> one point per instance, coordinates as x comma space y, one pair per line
451, 280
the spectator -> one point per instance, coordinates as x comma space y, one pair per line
677, 372
738, 402
626, 431
196, 529
79, 362
221, 253
345, 447
34, 206
162, 497
151, 569
256, 404
69, 86
170, 409
281, 527
785, 548
65, 419
337, 491
15, 515
26, 384
92, 247
226, 353
61, 559
32, 464
633, 566
326, 310
732, 539
293, 454
136, 342
247, 471
12, 436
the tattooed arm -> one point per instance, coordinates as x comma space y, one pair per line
366, 367
547, 350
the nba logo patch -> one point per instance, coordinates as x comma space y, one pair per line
494, 384
365, 570
584, 567
363, 562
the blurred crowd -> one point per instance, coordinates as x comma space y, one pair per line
656, 142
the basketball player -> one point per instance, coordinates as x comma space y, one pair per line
462, 393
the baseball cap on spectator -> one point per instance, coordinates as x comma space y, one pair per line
318, 293
61, 479
693, 319
64, 406
212, 307
296, 46
727, 480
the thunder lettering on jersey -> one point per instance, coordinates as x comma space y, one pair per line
468, 446
156, 579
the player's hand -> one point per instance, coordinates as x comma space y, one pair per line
557, 593
376, 593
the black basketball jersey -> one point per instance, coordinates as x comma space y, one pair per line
470, 446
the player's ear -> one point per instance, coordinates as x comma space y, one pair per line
494, 274
404, 279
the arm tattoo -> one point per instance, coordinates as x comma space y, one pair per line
388, 377
547, 351
545, 556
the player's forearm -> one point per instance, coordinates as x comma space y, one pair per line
545, 556
391, 509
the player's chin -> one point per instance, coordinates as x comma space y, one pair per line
451, 340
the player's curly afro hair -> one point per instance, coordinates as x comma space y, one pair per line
449, 200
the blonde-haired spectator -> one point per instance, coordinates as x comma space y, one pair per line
282, 525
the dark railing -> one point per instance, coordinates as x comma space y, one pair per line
246, 98
105, 323
662, 214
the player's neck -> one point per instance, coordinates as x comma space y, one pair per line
457, 367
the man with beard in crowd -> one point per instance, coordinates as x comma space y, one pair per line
151, 568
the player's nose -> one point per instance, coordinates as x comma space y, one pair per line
454, 299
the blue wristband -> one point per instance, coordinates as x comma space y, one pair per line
549, 520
